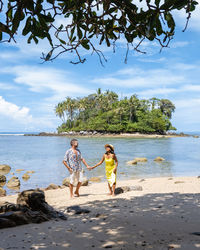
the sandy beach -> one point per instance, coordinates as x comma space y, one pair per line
164, 215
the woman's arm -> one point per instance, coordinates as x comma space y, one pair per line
116, 164
99, 163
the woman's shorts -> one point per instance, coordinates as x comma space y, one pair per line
76, 176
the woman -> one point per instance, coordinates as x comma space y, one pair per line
111, 167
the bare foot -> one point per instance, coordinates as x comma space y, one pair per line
109, 194
76, 194
113, 194
71, 196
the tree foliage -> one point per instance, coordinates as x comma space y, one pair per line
71, 25
104, 112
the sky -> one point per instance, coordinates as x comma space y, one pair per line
30, 90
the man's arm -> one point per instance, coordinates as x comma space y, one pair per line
66, 162
99, 163
84, 162
66, 165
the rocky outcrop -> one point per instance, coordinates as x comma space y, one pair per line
13, 182
159, 159
4, 169
66, 182
95, 179
31, 207
133, 162
30, 172
52, 186
2, 192
141, 159
120, 190
2, 180
19, 170
25, 177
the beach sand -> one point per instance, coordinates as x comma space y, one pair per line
164, 215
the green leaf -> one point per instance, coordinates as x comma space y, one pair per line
1, 36
85, 44
27, 27
35, 39
157, 3
62, 41
80, 33
47, 18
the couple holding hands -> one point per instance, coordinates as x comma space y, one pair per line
72, 160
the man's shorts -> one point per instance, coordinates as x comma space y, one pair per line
76, 176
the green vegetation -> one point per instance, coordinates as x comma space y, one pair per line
104, 112
71, 25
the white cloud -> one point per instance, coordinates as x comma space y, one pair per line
13, 111
56, 83
140, 78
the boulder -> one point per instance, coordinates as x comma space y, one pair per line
120, 190
133, 162
31, 207
159, 159
2, 180
26, 176
13, 182
66, 182
95, 179
52, 186
2, 192
140, 159
4, 169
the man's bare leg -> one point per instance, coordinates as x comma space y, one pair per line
110, 189
71, 190
77, 189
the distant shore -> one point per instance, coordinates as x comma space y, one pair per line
121, 135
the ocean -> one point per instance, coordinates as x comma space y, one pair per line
45, 154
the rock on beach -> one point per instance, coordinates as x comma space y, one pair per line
4, 169
13, 182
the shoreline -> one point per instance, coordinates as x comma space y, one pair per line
163, 215
117, 135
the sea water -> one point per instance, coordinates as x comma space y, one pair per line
44, 155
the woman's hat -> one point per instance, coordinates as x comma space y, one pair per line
110, 146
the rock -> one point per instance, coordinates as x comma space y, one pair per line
77, 210
2, 180
178, 182
13, 182
133, 162
31, 207
2, 192
30, 172
11, 173
158, 159
140, 159
120, 190
19, 170
66, 182
196, 136
198, 177
95, 179
52, 186
26, 177
4, 169
141, 180
136, 188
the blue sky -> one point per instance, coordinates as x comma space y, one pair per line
30, 90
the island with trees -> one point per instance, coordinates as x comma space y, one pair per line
105, 112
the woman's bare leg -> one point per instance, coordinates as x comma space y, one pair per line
110, 189
113, 189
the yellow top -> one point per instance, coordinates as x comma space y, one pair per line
110, 163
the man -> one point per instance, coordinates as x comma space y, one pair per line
72, 160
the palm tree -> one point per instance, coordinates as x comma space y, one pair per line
59, 110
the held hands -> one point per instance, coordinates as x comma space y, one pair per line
90, 168
114, 170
